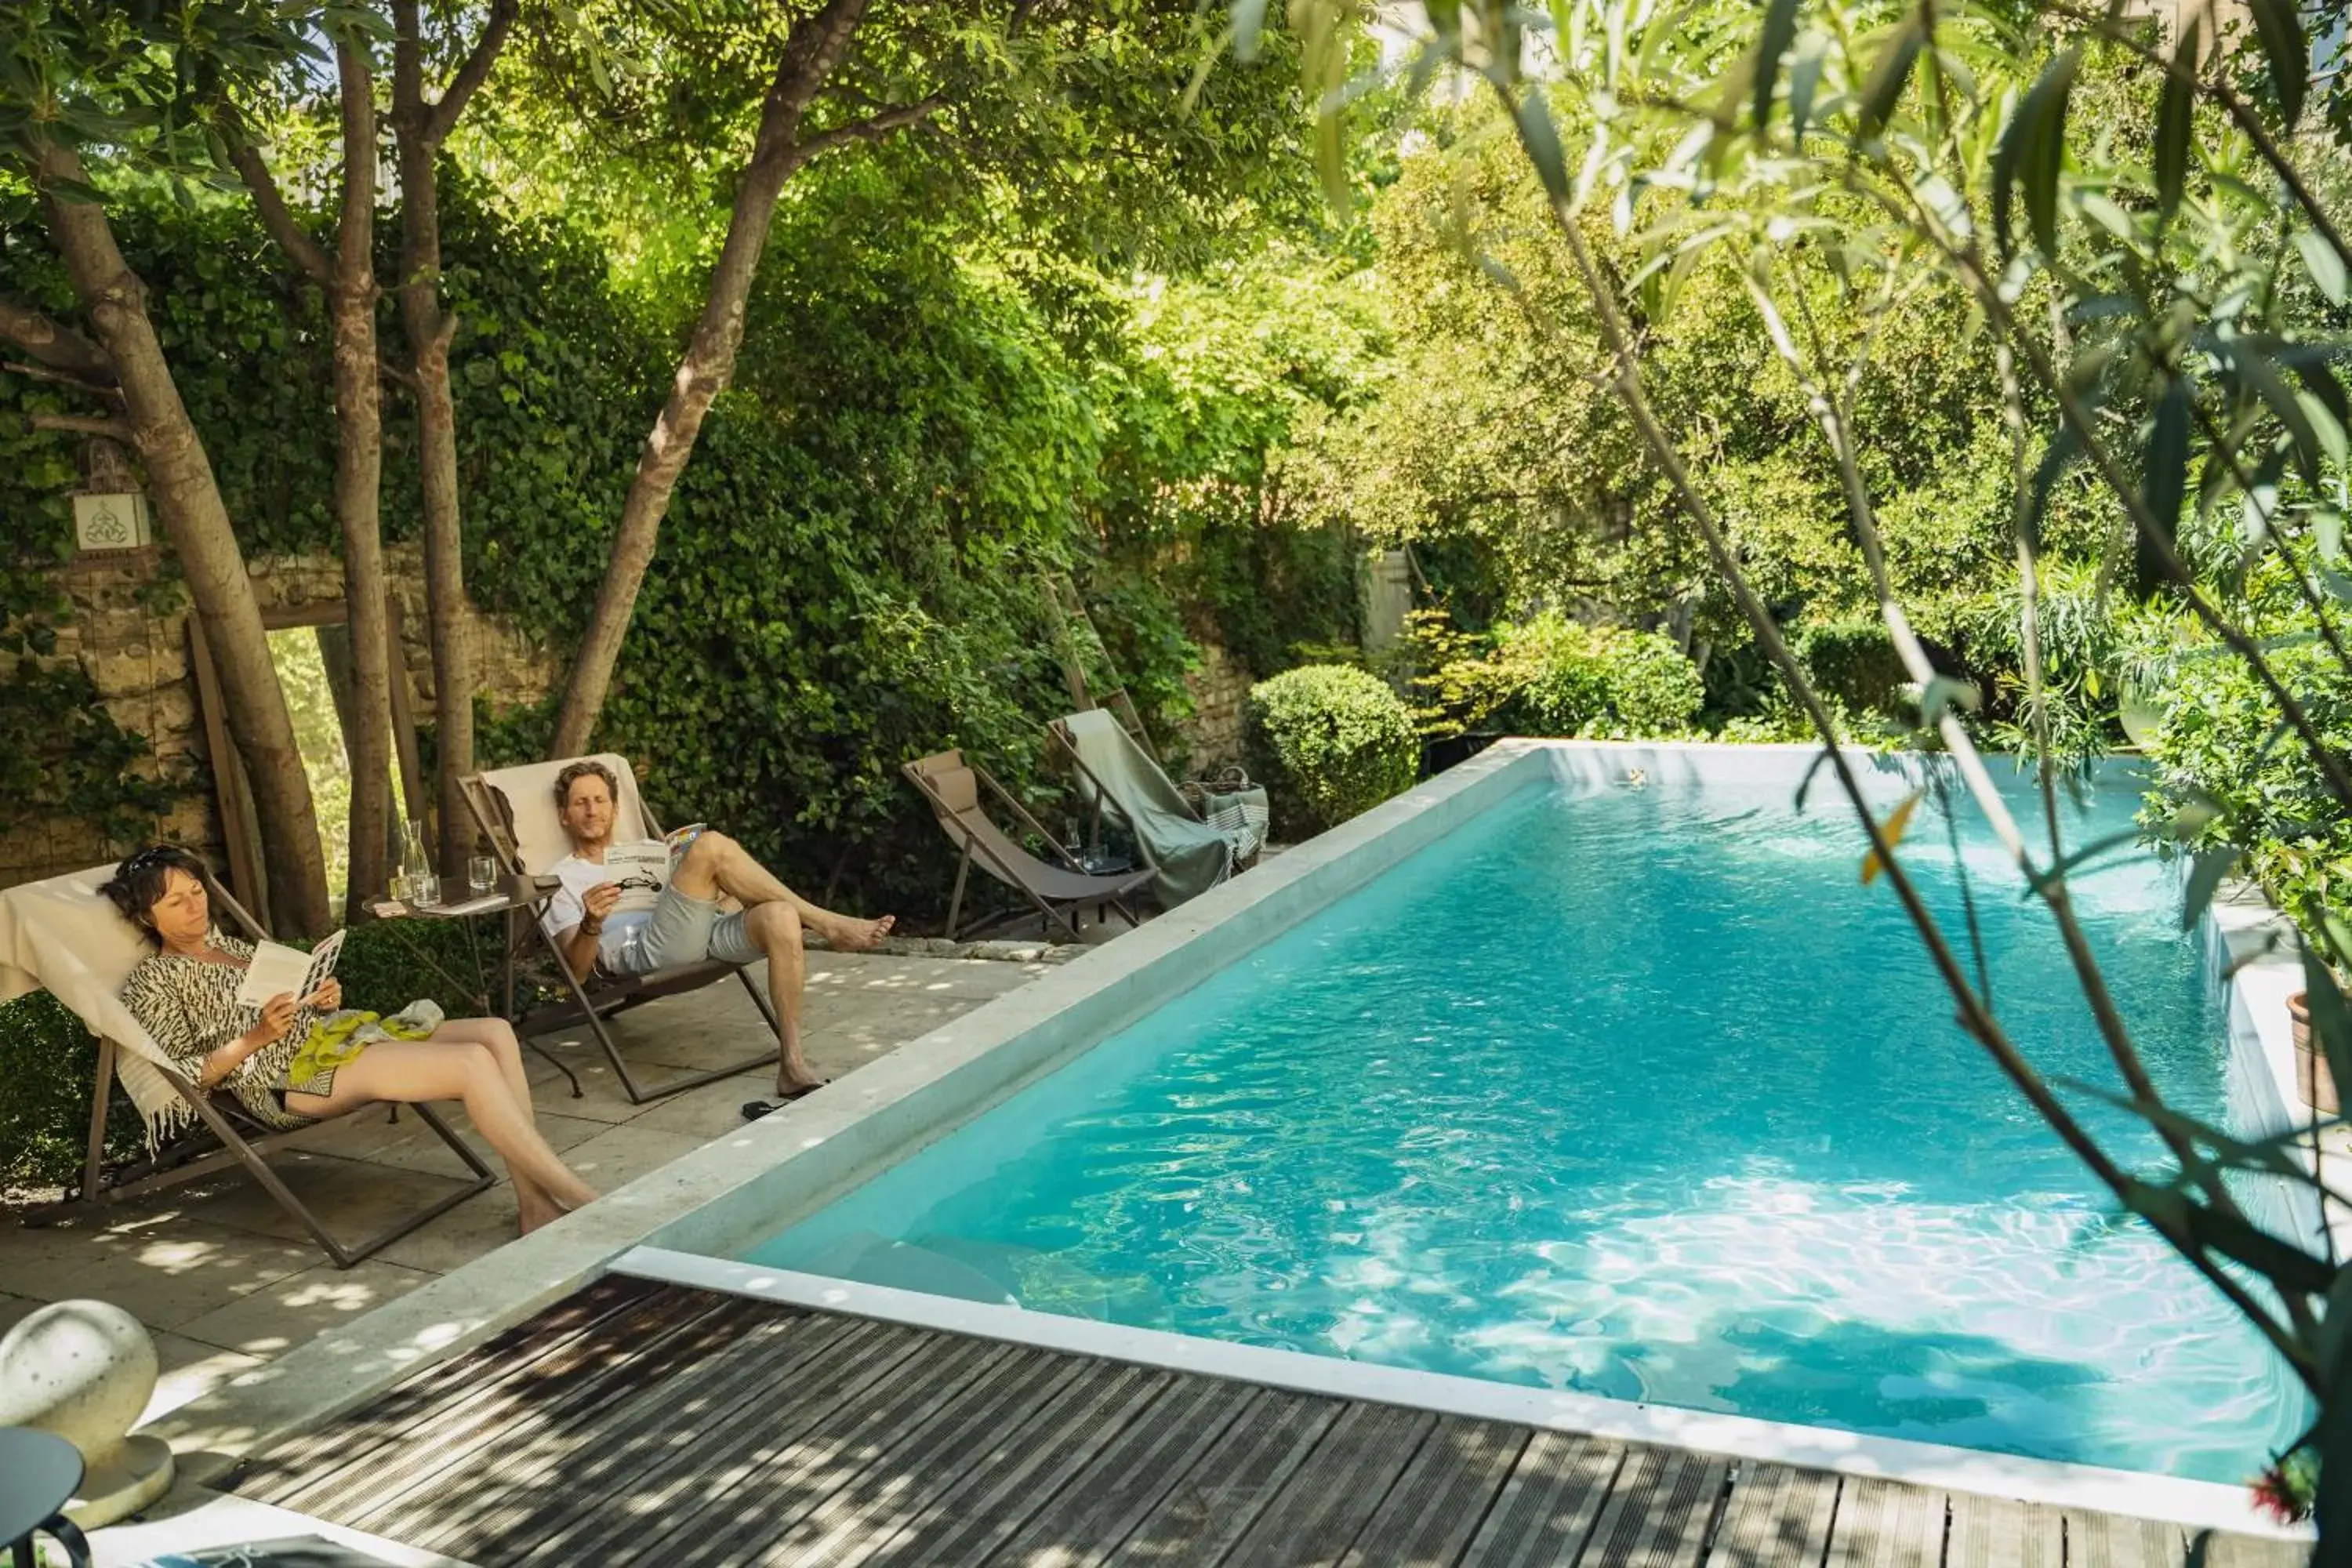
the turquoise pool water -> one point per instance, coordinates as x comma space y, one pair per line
1641, 1093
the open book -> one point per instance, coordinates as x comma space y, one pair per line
640, 869
278, 970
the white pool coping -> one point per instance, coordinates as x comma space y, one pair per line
714, 1203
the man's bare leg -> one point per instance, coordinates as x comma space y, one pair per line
776, 927
715, 864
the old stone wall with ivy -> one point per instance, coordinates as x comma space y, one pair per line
112, 689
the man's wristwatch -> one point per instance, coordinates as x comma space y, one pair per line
592, 926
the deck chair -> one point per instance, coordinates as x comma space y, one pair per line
952, 787
515, 809
64, 936
1189, 851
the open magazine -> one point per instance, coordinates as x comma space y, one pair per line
278, 970
640, 869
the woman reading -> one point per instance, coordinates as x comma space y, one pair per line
302, 1058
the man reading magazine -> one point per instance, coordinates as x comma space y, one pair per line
638, 906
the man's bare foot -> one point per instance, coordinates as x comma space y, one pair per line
791, 1083
530, 1214
858, 936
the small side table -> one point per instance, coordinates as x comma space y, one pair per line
38, 1474
513, 897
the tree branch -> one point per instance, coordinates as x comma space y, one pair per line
443, 116
871, 129
58, 348
83, 424
275, 216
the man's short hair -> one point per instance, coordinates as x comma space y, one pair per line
574, 773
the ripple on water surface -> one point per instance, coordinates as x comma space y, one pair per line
1639, 1093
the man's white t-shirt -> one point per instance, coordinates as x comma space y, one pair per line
618, 946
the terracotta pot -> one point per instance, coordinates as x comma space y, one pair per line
2313, 1082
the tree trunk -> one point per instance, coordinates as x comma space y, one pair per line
187, 497
420, 128
814, 48
359, 470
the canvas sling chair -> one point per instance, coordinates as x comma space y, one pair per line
65, 937
1189, 851
515, 809
952, 787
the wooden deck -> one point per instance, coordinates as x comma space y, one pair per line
648, 1423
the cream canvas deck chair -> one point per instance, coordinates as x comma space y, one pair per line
65, 937
515, 809
952, 787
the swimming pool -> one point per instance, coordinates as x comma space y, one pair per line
1636, 1092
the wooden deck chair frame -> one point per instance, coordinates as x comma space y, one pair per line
185, 1159
592, 1001
1110, 892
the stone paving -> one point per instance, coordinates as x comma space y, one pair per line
227, 1280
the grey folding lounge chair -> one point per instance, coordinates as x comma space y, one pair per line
85, 971
1187, 853
952, 787
515, 809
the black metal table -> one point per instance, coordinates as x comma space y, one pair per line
39, 1473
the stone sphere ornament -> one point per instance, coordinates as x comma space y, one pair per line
85, 1370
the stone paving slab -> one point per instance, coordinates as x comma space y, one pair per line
226, 1281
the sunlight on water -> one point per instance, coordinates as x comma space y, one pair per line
1638, 1093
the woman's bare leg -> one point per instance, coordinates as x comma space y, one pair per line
407, 1071
715, 864
498, 1037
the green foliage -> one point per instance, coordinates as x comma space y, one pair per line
1553, 676
48, 1063
1855, 662
62, 755
1331, 742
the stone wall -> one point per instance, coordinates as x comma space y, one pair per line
137, 657
1212, 736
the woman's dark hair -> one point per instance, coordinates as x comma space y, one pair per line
140, 881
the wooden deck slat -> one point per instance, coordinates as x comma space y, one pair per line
994, 1496
2107, 1541
698, 1464
458, 1426
1993, 1533
385, 1422
1218, 1499
1441, 1500
895, 1486
1657, 1514
1083, 1520
542, 1484
1886, 1524
660, 1424
2250, 1551
1545, 1511
1337, 1491
753, 1502
1777, 1518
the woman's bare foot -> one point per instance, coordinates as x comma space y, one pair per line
531, 1212
857, 936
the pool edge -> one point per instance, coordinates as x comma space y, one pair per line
2128, 1493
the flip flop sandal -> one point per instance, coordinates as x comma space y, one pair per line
755, 1108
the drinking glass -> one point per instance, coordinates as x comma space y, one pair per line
481, 874
427, 887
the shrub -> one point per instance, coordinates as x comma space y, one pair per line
1330, 742
1855, 663
1600, 681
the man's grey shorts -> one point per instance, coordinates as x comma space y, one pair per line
687, 929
